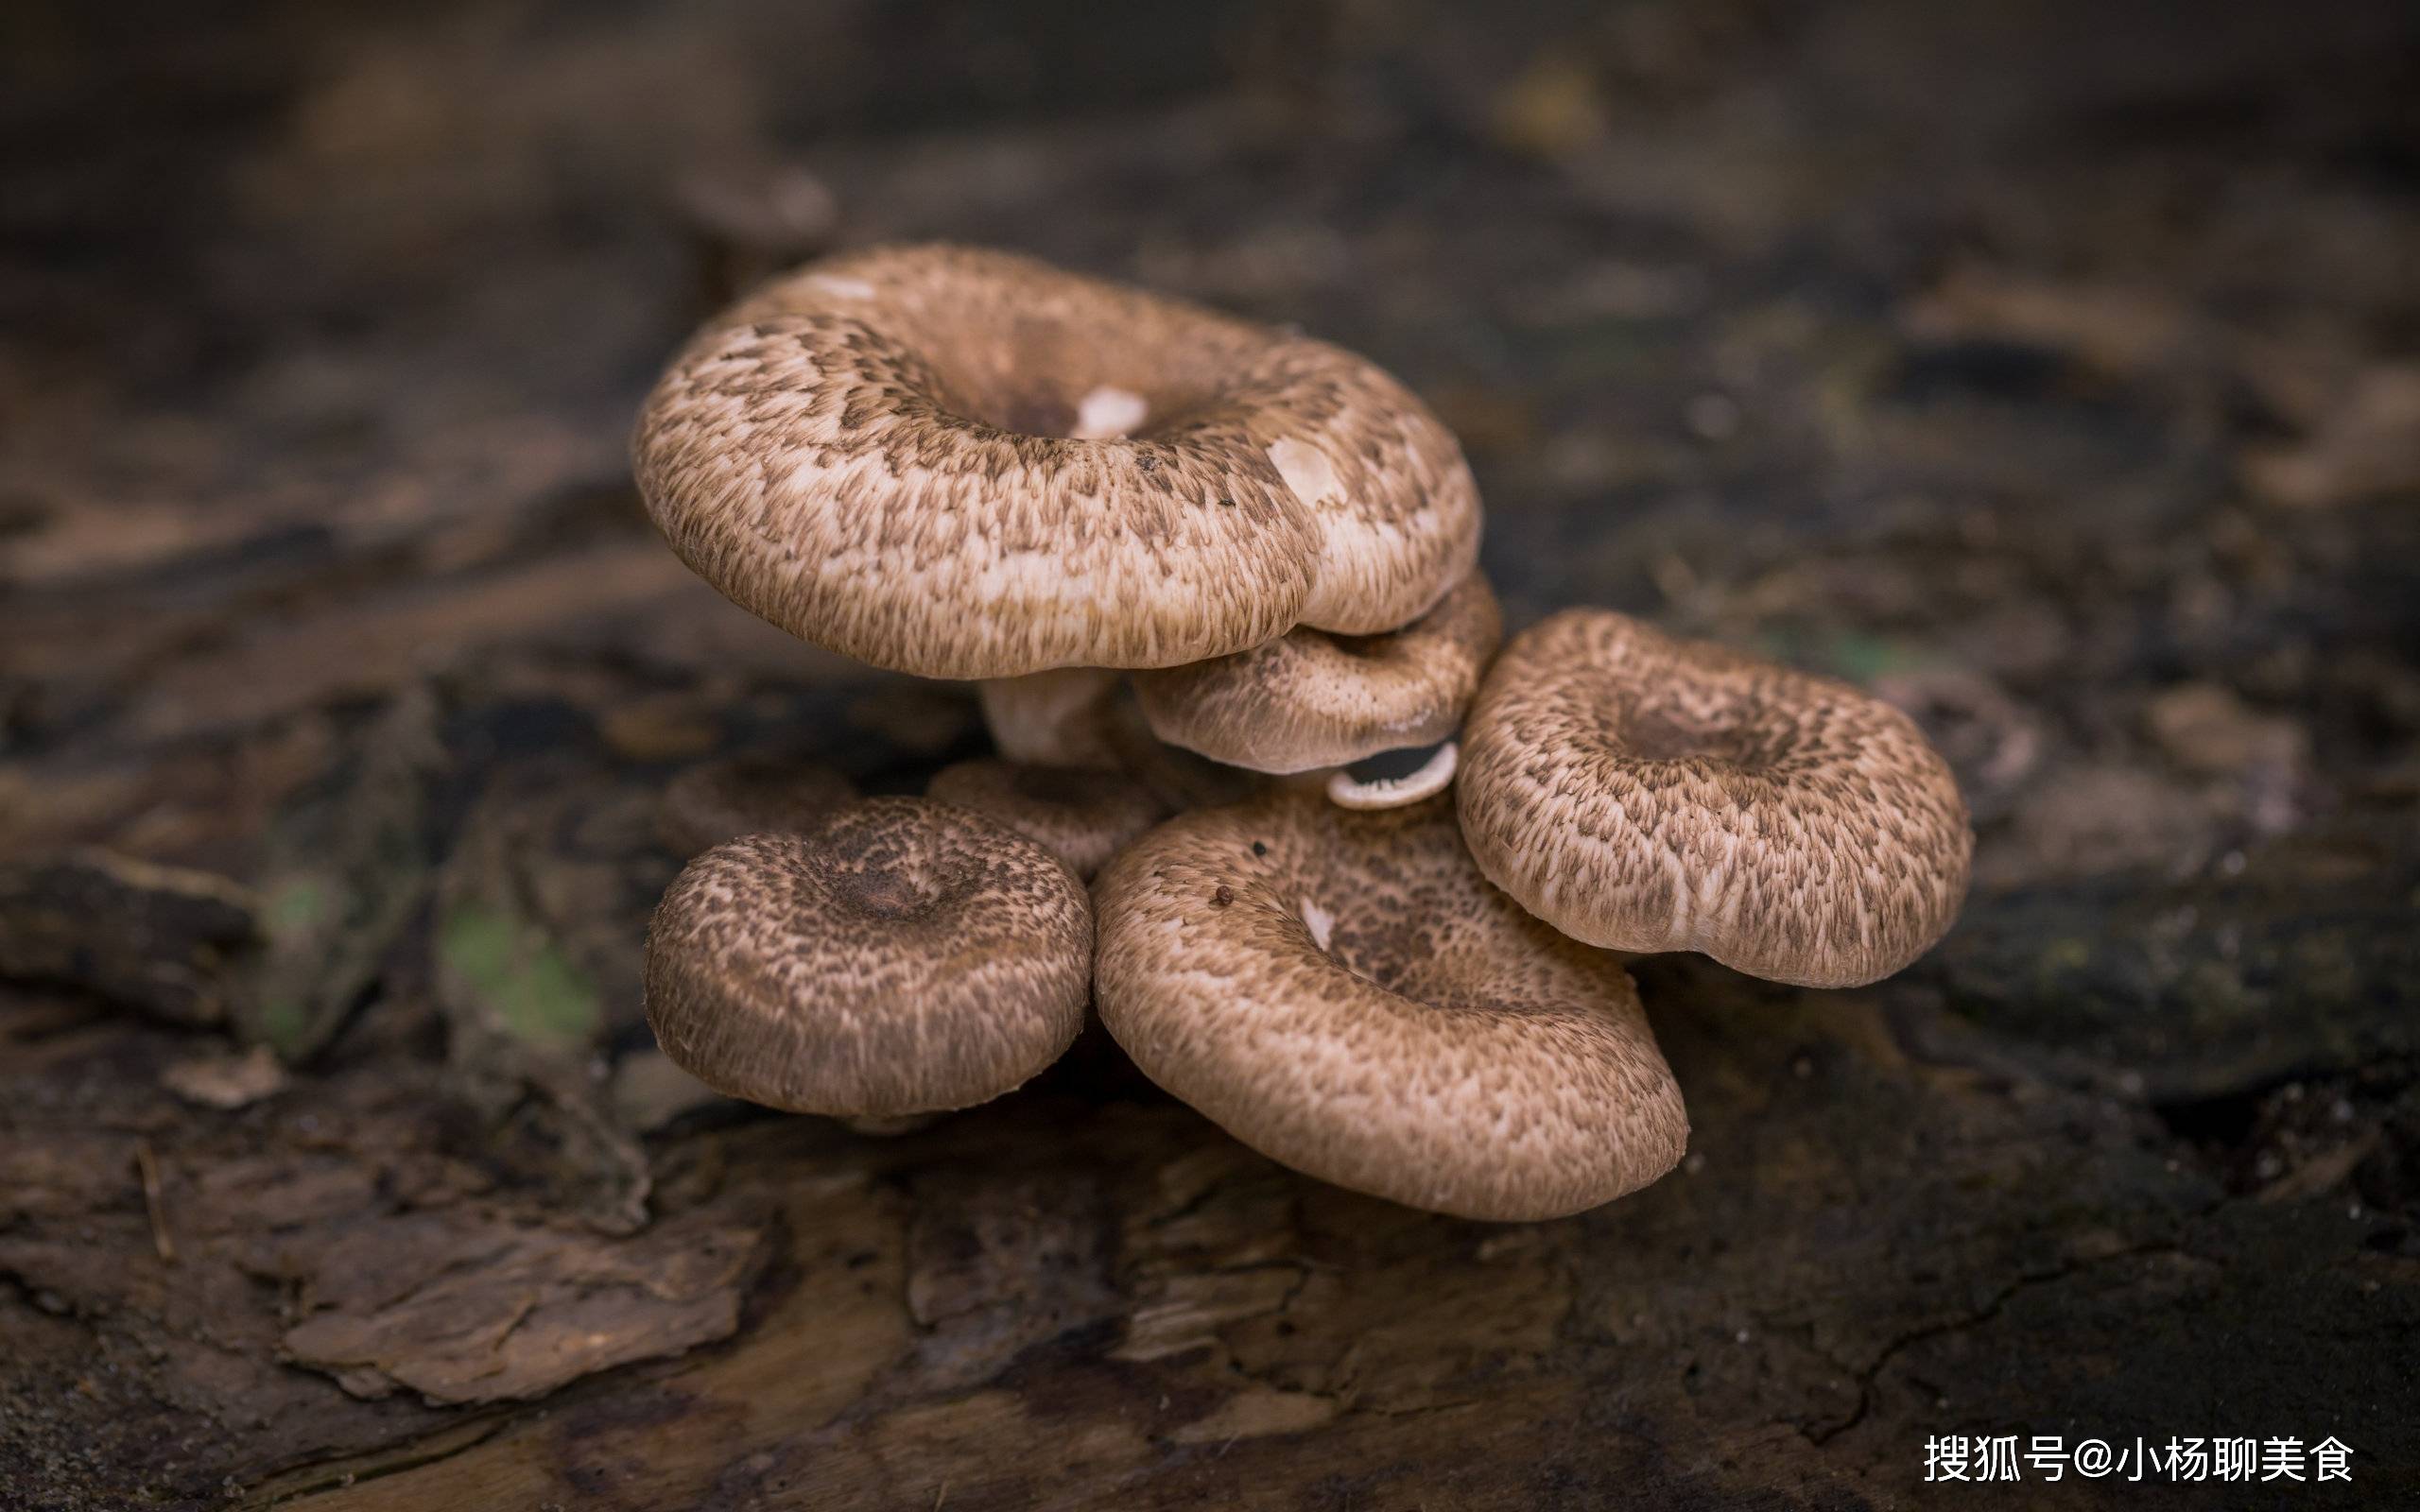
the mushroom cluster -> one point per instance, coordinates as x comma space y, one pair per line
1166, 545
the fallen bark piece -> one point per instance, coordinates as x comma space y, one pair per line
464, 1307
160, 940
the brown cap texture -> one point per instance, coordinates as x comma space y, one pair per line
902, 956
1311, 698
1083, 817
1345, 993
969, 464
714, 801
1652, 794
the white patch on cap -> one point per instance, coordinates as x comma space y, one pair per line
845, 288
1322, 922
1394, 792
1107, 414
1305, 468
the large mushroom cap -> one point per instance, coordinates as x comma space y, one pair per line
902, 956
1345, 993
1081, 816
968, 464
1652, 794
1311, 698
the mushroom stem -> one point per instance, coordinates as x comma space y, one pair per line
1059, 718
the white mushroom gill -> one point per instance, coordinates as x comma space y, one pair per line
1346, 791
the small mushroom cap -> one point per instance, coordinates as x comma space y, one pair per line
1652, 794
1345, 993
968, 464
902, 956
1081, 816
1310, 698
718, 800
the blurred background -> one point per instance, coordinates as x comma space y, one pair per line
2053, 369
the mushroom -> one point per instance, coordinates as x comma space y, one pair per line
1064, 717
902, 956
1083, 817
1652, 794
1345, 993
967, 464
714, 801
1395, 778
1088, 719
1311, 699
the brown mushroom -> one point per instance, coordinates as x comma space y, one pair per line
1083, 817
718, 800
1064, 717
968, 464
1310, 700
1345, 993
1652, 794
902, 956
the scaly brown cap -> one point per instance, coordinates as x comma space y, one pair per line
1081, 816
1310, 698
902, 956
969, 464
1650, 794
1345, 993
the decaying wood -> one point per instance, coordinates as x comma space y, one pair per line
2067, 400
158, 939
